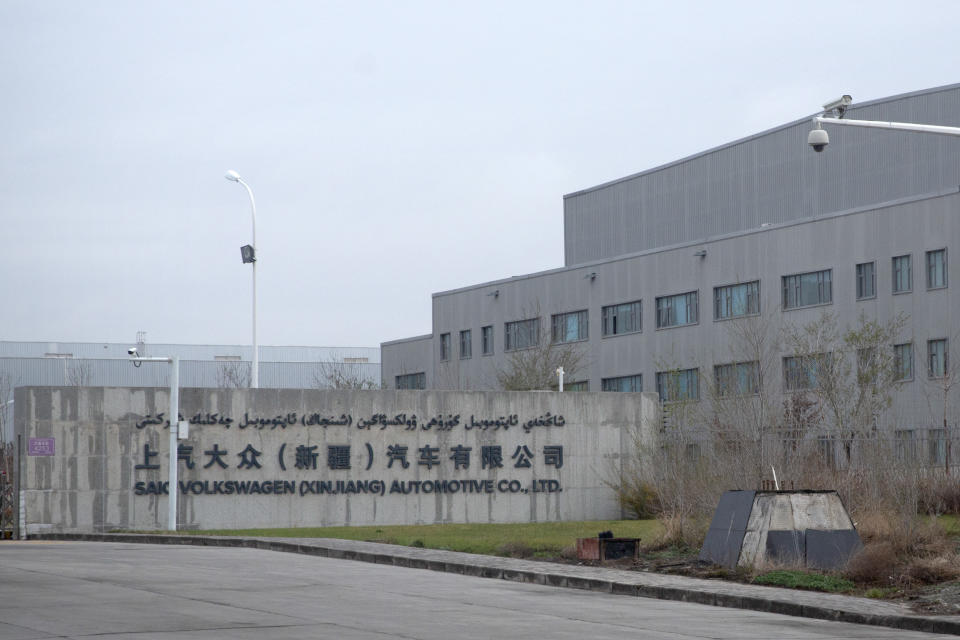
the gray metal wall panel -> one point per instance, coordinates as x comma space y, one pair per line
834, 242
37, 349
407, 356
773, 177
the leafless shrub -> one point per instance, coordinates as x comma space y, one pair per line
940, 494
338, 374
234, 375
638, 498
534, 368
872, 564
78, 374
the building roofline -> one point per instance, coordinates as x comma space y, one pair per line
177, 344
709, 239
426, 336
754, 136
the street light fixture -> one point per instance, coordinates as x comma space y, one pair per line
174, 362
248, 253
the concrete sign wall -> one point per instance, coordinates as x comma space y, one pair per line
267, 458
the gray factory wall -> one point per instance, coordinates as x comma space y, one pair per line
95, 458
837, 243
771, 177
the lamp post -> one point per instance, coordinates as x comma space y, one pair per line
248, 253
174, 429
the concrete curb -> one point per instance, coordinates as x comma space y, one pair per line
637, 584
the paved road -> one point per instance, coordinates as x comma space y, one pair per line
77, 590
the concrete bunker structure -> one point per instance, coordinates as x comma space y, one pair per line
791, 528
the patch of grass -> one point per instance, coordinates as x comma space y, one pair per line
880, 593
950, 524
537, 539
804, 580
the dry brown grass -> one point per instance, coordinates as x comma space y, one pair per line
678, 532
887, 500
896, 555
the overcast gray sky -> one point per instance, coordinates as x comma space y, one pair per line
395, 148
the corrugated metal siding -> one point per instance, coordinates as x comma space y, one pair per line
193, 373
770, 178
11, 349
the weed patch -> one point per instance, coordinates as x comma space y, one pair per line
805, 580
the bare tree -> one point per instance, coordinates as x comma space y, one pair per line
78, 374
851, 373
940, 391
339, 374
234, 375
534, 367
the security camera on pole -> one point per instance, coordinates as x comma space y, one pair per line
819, 139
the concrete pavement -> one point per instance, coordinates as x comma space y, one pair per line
632, 583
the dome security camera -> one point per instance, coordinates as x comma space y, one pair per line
818, 139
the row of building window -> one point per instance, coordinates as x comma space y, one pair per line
730, 301
799, 373
743, 378
411, 381
902, 273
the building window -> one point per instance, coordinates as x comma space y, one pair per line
466, 344
569, 327
937, 269
411, 381
628, 384
737, 379
582, 385
866, 280
521, 334
736, 300
903, 361
800, 372
621, 318
807, 289
937, 445
901, 274
678, 310
675, 386
937, 358
444, 346
486, 339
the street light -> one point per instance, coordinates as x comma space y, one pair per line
819, 139
248, 253
174, 362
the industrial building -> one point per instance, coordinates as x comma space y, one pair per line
108, 364
659, 264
